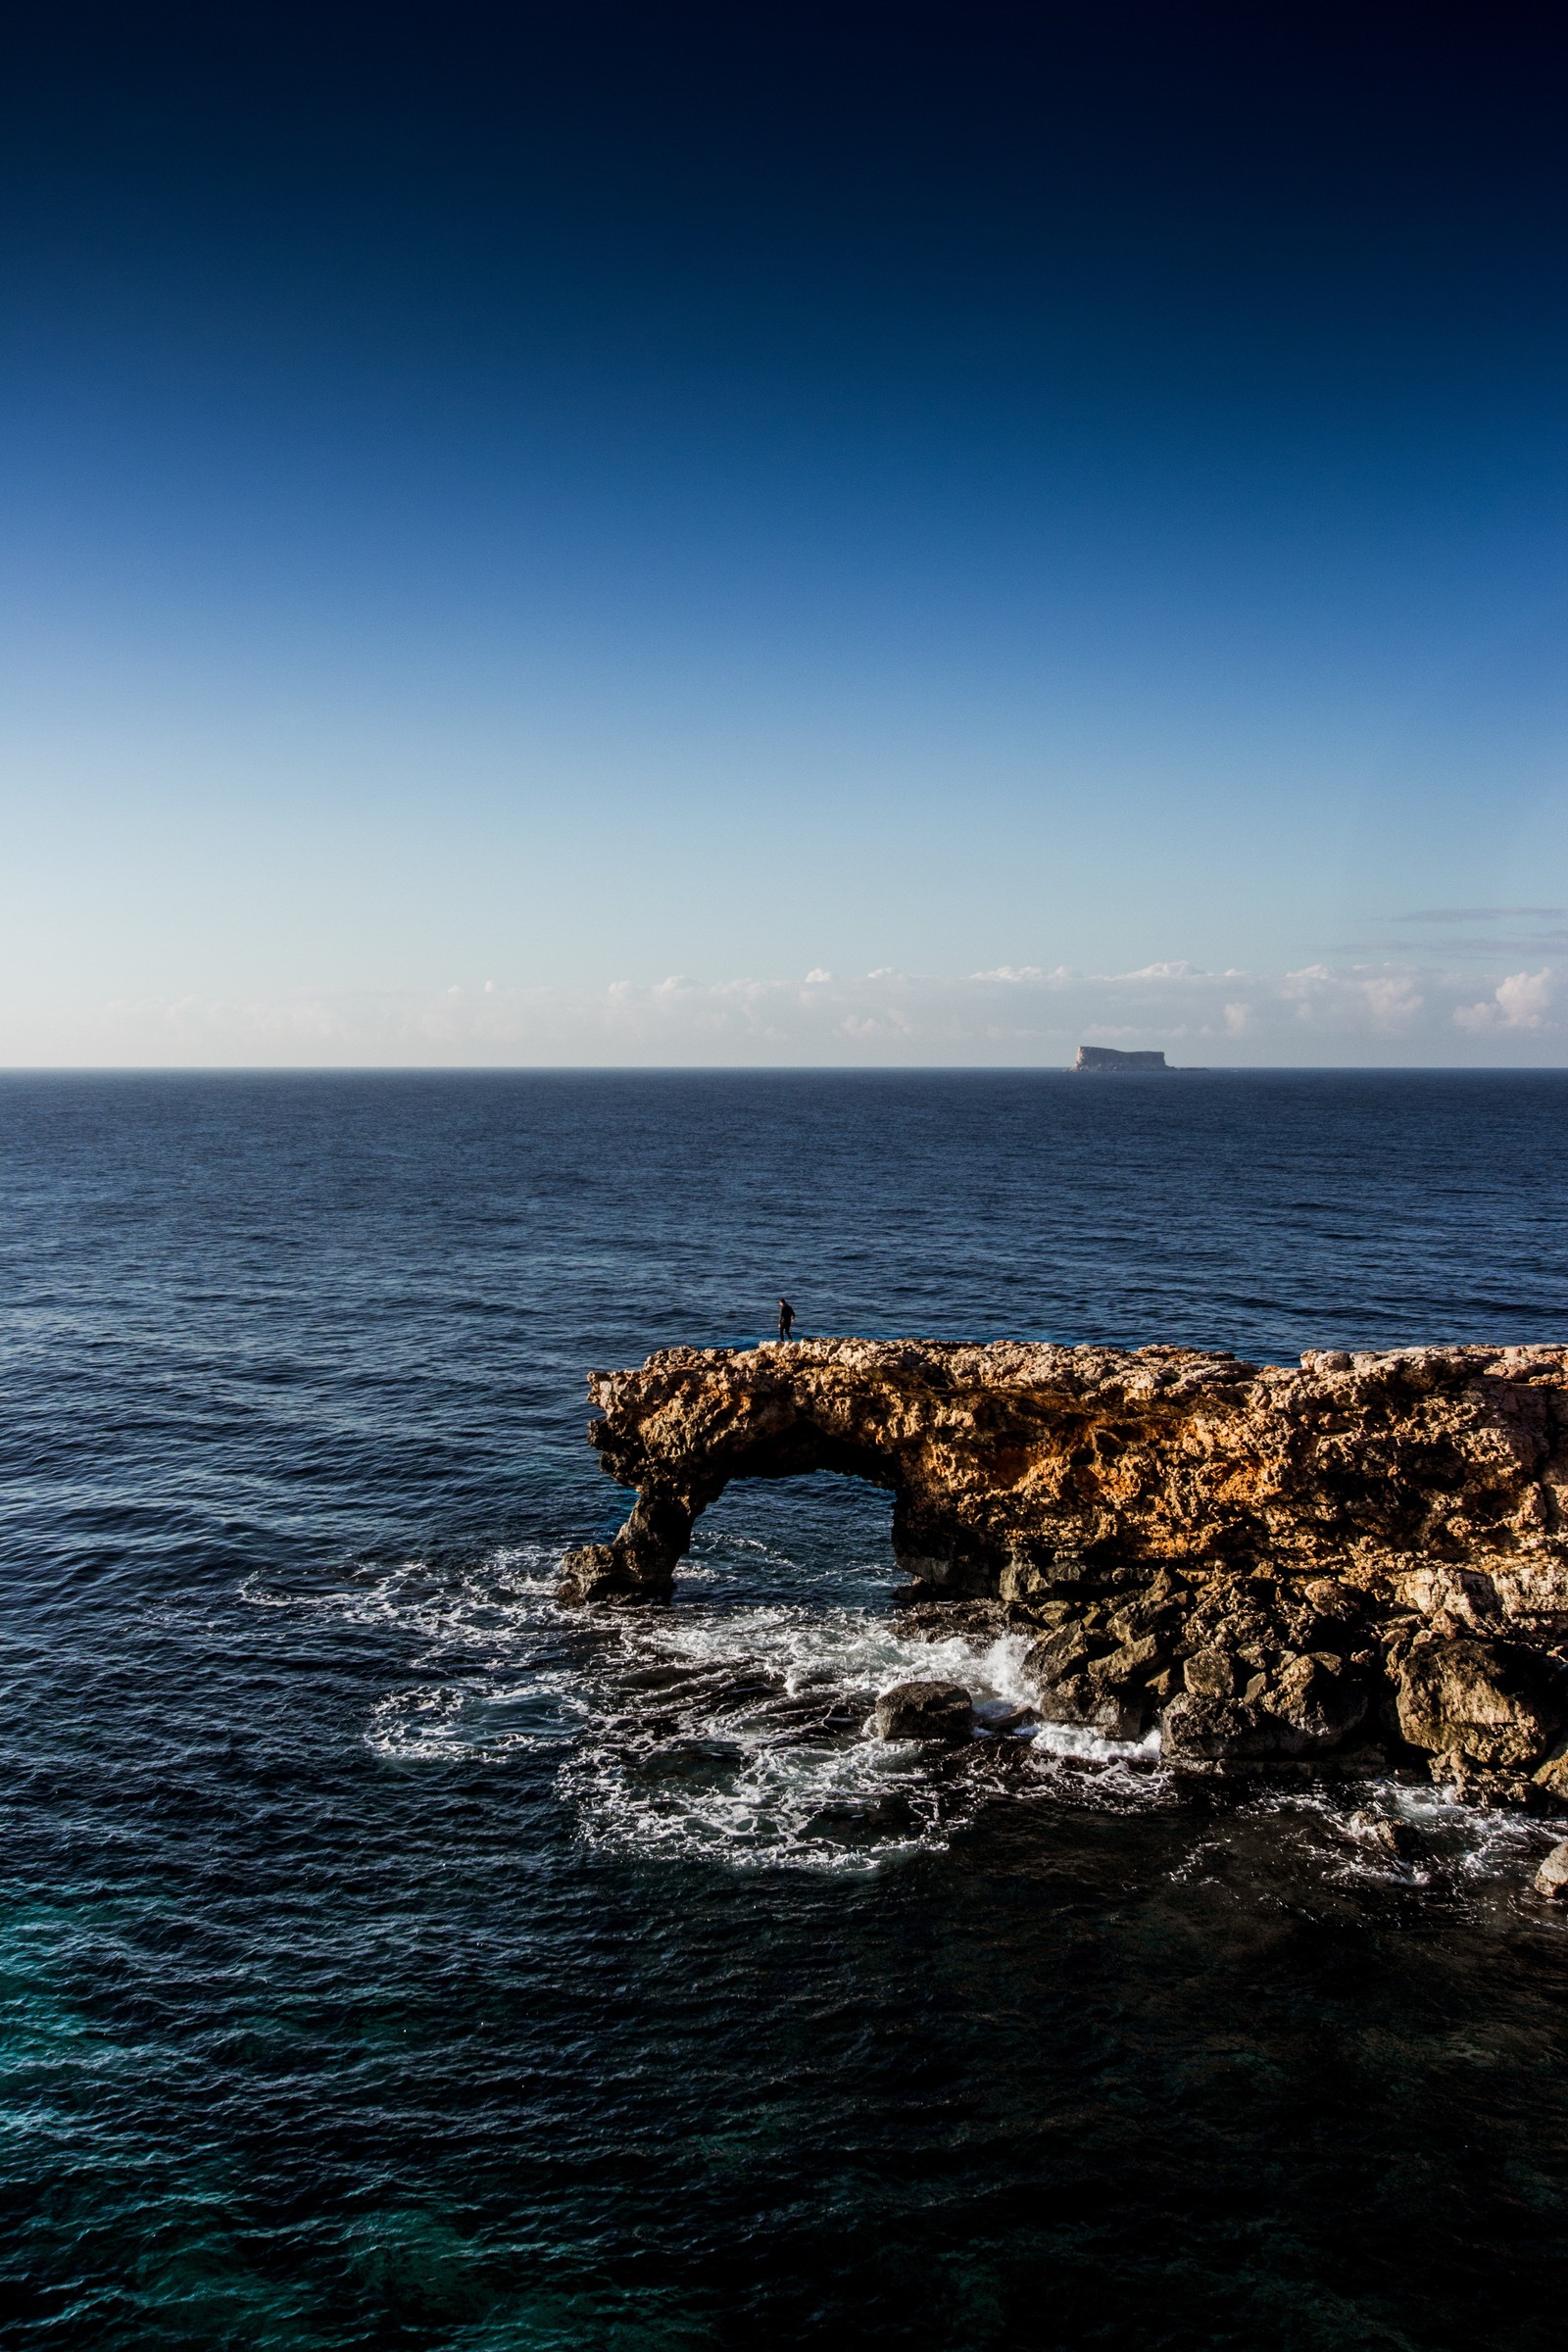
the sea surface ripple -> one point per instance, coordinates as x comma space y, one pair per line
389, 1959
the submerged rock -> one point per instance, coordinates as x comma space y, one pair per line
1273, 1564
942, 1711
1396, 1838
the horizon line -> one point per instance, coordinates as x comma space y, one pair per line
769, 1069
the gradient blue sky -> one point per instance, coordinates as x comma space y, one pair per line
529, 532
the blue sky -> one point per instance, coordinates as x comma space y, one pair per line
527, 535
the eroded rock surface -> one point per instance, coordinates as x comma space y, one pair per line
1274, 1564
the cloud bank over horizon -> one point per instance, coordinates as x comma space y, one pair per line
1366, 1016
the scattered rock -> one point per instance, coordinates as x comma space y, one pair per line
976, 1621
1024, 1579
1216, 1730
1318, 1700
862, 1820
1290, 1706
1133, 1660
942, 1711
1551, 1879
1081, 1682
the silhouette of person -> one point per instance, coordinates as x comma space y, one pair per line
786, 1318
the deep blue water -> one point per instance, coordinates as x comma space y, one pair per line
390, 1961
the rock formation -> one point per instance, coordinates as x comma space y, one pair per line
1367, 1553
940, 1711
1551, 1879
1111, 1058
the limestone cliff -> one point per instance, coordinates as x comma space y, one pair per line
1270, 1561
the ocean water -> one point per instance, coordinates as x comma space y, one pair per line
387, 1959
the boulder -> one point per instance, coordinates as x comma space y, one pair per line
1025, 1581
597, 1571
1112, 1711
942, 1711
1133, 1661
1055, 1655
1552, 1776
1318, 1700
1495, 1704
1551, 1879
1202, 1730
1211, 1674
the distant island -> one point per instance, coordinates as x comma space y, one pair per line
1107, 1058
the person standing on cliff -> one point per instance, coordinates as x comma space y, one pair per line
786, 1318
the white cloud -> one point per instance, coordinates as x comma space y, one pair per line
1521, 1001
1012, 1014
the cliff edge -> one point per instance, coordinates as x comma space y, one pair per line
1366, 1552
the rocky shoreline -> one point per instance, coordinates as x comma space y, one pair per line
1358, 1563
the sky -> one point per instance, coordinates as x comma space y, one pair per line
888, 533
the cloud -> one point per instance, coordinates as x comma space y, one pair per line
1521, 1001
1499, 934
1013, 1015
1480, 914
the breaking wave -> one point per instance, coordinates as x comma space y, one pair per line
736, 1723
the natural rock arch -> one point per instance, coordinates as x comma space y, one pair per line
640, 1563
1263, 1557
1011, 1466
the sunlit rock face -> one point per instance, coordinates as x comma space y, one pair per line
1273, 1563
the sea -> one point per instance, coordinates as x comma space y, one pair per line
391, 1959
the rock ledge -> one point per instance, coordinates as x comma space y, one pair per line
1367, 1554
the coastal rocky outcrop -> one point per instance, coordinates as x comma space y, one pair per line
1364, 1556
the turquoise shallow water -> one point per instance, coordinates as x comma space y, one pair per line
388, 1960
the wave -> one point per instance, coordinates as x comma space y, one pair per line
737, 1725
